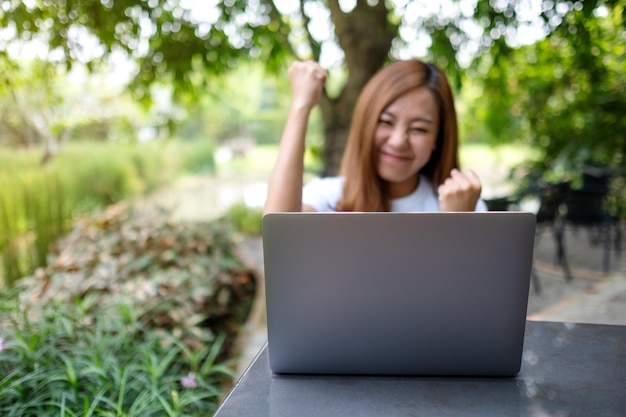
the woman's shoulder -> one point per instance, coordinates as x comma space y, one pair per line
323, 193
326, 181
325, 184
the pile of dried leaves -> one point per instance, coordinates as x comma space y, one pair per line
180, 278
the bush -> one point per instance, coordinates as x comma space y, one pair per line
67, 364
135, 315
245, 219
198, 156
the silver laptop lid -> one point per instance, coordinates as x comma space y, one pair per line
397, 293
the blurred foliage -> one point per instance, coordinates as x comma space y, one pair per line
246, 104
134, 316
566, 94
48, 112
185, 48
245, 219
45, 106
38, 204
170, 43
34, 212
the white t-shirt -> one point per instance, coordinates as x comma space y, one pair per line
323, 194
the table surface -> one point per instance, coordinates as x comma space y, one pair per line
567, 370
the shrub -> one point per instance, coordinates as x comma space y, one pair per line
134, 315
66, 363
245, 219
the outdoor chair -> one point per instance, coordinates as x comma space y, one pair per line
586, 207
551, 198
505, 204
499, 204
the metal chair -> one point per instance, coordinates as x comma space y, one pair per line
552, 197
505, 204
586, 208
498, 204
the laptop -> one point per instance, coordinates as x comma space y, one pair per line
397, 293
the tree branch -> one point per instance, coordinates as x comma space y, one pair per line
315, 46
283, 28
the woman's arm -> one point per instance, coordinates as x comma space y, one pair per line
284, 192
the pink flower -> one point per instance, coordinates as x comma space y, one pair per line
189, 381
2, 345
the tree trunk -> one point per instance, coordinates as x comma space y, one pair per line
51, 148
365, 35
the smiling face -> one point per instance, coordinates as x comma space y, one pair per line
405, 137
405, 97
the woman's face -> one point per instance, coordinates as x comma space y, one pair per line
405, 137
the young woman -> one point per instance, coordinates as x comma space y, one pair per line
402, 150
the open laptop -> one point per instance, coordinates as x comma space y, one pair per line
397, 293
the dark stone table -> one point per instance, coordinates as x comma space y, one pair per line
568, 370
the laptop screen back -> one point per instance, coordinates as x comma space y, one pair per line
397, 293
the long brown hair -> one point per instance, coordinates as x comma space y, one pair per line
363, 189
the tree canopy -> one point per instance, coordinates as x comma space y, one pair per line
186, 44
566, 93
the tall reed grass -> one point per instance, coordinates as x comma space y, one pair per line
38, 203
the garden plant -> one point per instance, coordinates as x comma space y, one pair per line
134, 315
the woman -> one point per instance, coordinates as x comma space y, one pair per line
402, 150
